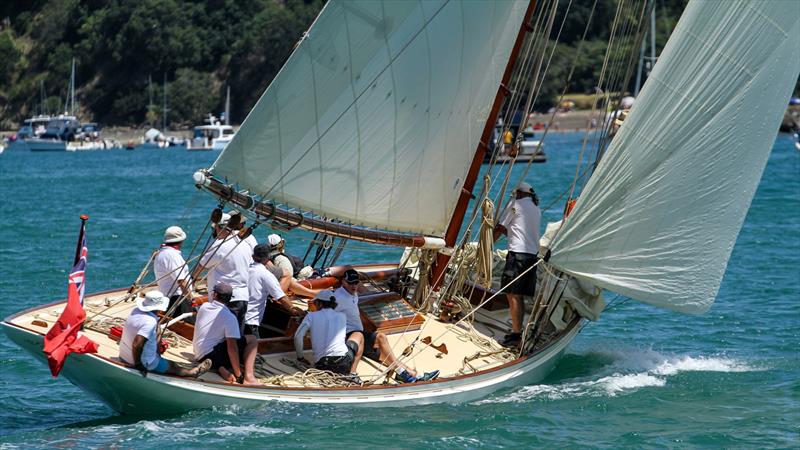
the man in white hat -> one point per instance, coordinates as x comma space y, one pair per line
138, 346
520, 222
228, 260
171, 272
327, 327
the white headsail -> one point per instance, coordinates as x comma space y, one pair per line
376, 116
659, 217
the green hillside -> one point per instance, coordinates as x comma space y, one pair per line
200, 47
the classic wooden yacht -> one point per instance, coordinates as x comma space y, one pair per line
655, 221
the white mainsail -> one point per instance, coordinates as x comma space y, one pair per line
658, 220
376, 116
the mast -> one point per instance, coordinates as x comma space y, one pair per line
72, 90
460, 210
164, 116
228, 107
41, 97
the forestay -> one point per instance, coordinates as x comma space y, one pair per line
376, 116
659, 217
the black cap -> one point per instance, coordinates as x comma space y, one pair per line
351, 276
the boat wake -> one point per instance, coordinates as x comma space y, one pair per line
629, 369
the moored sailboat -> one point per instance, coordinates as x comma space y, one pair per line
637, 227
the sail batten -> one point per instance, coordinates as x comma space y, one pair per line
658, 220
375, 122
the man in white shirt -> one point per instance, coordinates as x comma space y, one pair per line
264, 287
520, 222
327, 327
374, 346
138, 346
228, 261
250, 240
171, 272
217, 337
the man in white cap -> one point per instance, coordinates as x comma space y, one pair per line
228, 260
171, 272
290, 265
327, 327
520, 223
138, 346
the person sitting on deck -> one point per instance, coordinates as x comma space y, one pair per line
217, 337
520, 223
331, 351
171, 273
138, 345
374, 346
228, 260
290, 265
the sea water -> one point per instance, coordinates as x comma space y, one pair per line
639, 378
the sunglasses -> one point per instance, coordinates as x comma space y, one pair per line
352, 282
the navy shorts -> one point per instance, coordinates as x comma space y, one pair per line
339, 364
219, 354
252, 330
369, 345
517, 263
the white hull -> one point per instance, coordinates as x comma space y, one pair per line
127, 391
55, 145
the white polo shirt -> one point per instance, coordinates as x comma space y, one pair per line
327, 333
228, 261
140, 323
522, 219
348, 304
214, 323
169, 267
262, 286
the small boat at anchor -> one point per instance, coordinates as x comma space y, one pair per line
656, 221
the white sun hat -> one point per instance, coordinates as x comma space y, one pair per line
174, 234
153, 301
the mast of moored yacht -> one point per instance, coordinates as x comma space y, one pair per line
457, 219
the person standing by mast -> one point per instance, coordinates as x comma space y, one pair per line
520, 222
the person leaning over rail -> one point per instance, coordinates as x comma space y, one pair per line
138, 345
374, 346
217, 337
171, 272
264, 287
520, 223
228, 261
331, 351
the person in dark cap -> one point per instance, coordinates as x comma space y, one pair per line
520, 223
217, 337
264, 287
373, 345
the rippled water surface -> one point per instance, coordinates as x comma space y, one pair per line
640, 377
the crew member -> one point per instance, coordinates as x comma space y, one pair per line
520, 223
228, 260
374, 346
170, 270
138, 345
331, 351
217, 337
